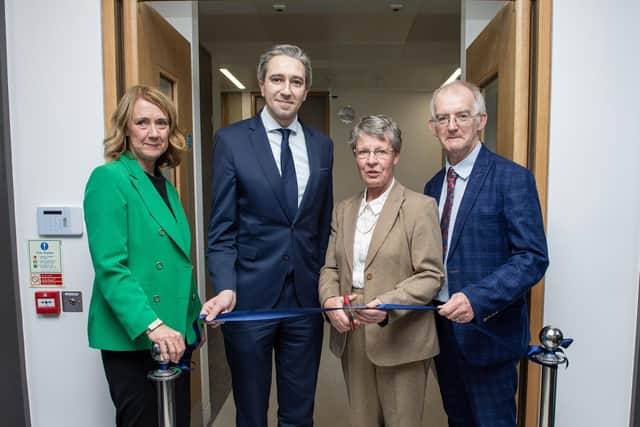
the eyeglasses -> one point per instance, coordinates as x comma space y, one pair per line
378, 152
462, 118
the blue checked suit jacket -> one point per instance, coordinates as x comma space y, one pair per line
498, 251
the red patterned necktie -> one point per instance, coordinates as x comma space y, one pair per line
446, 212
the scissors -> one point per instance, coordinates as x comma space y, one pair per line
349, 311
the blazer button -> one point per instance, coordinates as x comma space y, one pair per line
193, 297
161, 232
159, 265
369, 276
156, 298
286, 257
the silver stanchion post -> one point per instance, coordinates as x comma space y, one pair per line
164, 376
550, 355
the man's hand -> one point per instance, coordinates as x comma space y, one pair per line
338, 318
458, 309
371, 316
224, 302
170, 341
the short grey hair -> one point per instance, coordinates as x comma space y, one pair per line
381, 127
478, 98
287, 50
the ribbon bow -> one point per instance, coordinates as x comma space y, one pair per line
535, 350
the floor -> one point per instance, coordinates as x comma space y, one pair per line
331, 398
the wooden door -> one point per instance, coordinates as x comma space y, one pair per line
517, 94
157, 55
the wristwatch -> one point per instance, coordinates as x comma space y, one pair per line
153, 326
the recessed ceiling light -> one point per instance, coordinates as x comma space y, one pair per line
279, 7
396, 6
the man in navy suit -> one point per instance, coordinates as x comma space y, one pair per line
268, 233
495, 250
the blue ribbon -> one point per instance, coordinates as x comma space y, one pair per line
274, 314
184, 364
538, 349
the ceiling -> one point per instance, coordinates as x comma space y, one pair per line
359, 44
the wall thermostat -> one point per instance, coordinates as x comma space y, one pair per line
60, 221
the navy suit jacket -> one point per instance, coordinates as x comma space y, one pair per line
252, 242
498, 251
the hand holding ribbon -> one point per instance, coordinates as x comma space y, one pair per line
224, 302
371, 314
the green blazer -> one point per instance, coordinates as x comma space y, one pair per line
141, 258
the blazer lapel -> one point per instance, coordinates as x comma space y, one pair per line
435, 188
476, 181
385, 221
181, 219
313, 157
157, 208
260, 143
349, 227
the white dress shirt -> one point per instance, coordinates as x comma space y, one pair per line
367, 219
463, 170
296, 143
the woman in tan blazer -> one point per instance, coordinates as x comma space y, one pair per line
385, 248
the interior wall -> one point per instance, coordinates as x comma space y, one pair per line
421, 156
178, 14
591, 289
54, 52
475, 15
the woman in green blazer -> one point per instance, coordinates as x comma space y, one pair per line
144, 290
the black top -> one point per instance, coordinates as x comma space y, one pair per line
158, 181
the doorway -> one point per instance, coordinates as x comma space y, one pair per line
368, 57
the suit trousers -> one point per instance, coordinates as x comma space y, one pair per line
297, 343
134, 395
391, 396
474, 396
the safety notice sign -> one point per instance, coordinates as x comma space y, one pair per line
45, 262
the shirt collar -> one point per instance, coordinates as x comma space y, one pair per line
463, 169
271, 125
376, 204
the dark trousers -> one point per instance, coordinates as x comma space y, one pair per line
474, 396
250, 346
134, 395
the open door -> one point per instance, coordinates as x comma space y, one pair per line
157, 55
510, 62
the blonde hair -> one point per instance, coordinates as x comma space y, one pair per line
117, 144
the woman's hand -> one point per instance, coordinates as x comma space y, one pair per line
338, 318
224, 302
371, 316
170, 341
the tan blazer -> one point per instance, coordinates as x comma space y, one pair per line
403, 266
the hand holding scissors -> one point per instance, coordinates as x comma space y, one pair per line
339, 319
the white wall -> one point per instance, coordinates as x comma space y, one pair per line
54, 54
474, 15
421, 156
178, 14
591, 289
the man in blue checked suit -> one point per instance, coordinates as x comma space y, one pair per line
495, 250
268, 234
